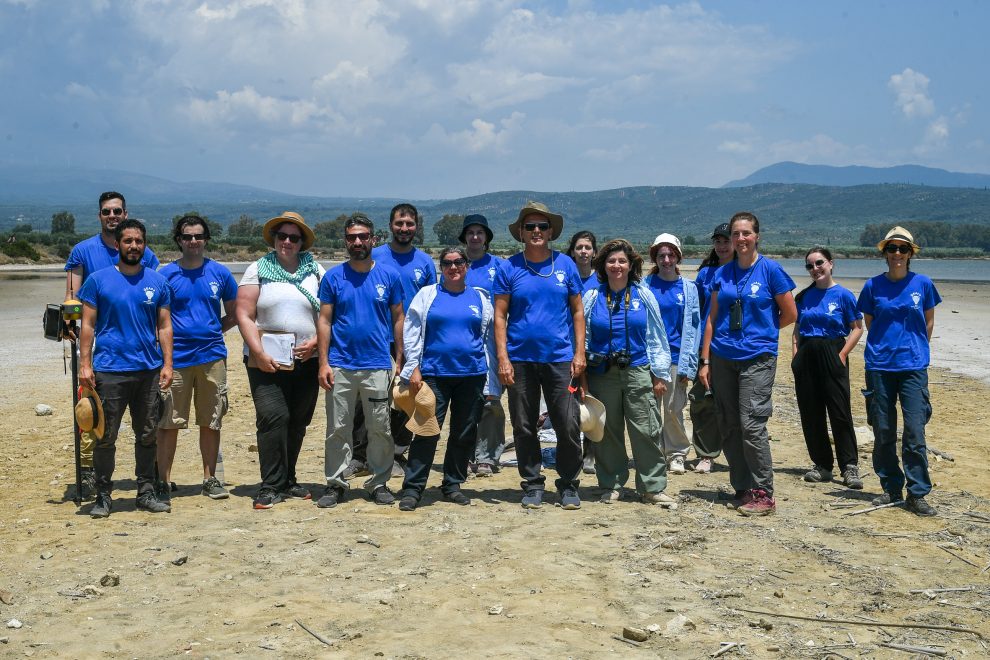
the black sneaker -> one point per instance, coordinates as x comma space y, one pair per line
355, 468
886, 498
163, 492
383, 496
818, 475
851, 478
918, 506
333, 496
88, 484
297, 492
408, 503
148, 501
214, 490
533, 499
102, 507
457, 497
569, 499
267, 498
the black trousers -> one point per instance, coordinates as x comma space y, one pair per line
821, 383
138, 391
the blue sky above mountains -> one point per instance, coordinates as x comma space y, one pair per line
446, 98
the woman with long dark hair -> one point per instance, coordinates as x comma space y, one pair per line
828, 327
582, 249
751, 302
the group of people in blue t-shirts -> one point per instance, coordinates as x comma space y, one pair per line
590, 341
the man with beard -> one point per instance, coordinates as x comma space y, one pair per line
416, 270
200, 287
87, 257
360, 315
126, 312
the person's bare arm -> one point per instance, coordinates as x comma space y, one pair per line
855, 333
930, 322
324, 326
86, 332
165, 343
73, 282
505, 372
704, 371
577, 311
247, 312
229, 319
788, 310
398, 320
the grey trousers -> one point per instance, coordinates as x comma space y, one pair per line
371, 387
743, 392
491, 433
675, 438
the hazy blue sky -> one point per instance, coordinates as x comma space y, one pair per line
445, 98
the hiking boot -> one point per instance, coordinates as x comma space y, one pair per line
886, 498
383, 496
761, 504
818, 475
87, 483
484, 470
102, 507
163, 492
533, 499
677, 465
214, 490
740, 498
610, 496
918, 506
457, 497
267, 498
704, 466
851, 479
333, 496
355, 468
148, 501
569, 499
660, 499
408, 503
297, 492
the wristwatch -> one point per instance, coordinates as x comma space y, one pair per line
705, 363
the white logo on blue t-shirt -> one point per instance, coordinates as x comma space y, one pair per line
832, 306
380, 288
149, 293
635, 305
916, 297
561, 276
475, 310
214, 287
753, 288
491, 273
680, 299
417, 274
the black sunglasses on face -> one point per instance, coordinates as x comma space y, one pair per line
817, 263
351, 238
292, 238
116, 211
192, 237
532, 226
445, 263
890, 248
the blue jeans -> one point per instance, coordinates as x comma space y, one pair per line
465, 397
883, 389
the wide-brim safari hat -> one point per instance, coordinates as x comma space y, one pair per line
476, 219
898, 234
308, 237
592, 418
89, 413
421, 408
556, 221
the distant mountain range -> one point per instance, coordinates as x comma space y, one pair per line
796, 213
858, 175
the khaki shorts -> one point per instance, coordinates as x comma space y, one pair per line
208, 382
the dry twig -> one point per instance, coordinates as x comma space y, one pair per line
924, 626
318, 636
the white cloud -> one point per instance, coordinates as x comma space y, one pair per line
247, 105
79, 91
483, 136
911, 90
936, 136
616, 155
491, 87
735, 147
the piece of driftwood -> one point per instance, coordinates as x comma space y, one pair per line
959, 557
978, 516
941, 454
726, 647
938, 590
926, 650
315, 634
874, 508
627, 641
886, 624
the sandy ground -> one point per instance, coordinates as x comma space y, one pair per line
489, 580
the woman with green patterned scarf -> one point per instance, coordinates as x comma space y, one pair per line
277, 296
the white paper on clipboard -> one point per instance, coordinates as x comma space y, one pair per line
280, 347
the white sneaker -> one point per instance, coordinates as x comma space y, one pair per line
704, 466
610, 496
661, 499
677, 465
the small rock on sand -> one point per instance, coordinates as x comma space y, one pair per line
635, 634
42, 410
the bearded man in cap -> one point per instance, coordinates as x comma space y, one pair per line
539, 338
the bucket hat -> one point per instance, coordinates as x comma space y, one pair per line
592, 418
476, 219
668, 239
308, 237
556, 221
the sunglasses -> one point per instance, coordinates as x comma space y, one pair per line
116, 211
533, 226
890, 248
452, 263
192, 237
817, 264
292, 238
353, 238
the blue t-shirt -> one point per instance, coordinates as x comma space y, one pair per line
453, 345
607, 339
590, 282
481, 273
197, 297
540, 324
93, 255
757, 288
898, 336
826, 312
415, 268
706, 274
670, 297
361, 327
126, 318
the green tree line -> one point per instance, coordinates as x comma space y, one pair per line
934, 234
